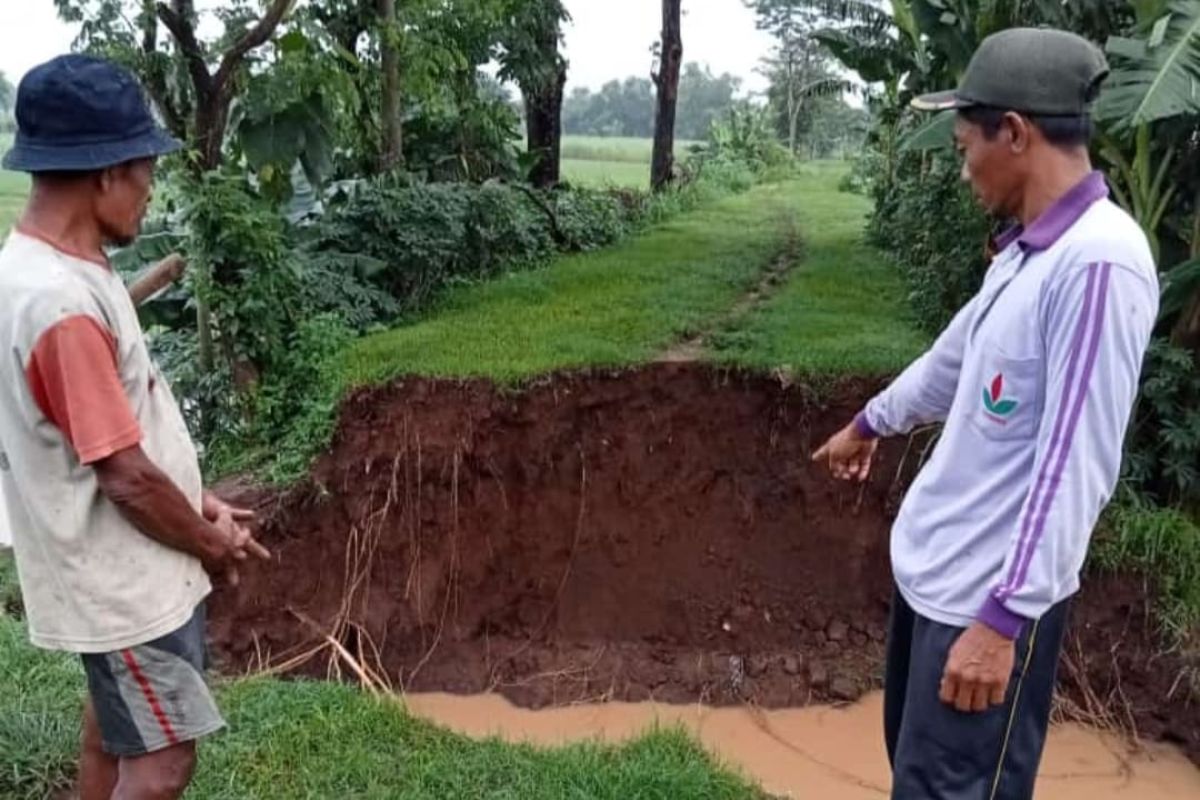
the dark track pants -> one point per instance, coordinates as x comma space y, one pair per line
938, 753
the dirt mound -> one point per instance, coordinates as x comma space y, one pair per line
657, 534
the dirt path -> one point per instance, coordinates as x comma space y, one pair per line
693, 348
819, 752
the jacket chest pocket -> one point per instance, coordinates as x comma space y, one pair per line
1008, 401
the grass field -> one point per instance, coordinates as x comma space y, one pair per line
614, 148
599, 174
842, 310
13, 188
614, 307
599, 161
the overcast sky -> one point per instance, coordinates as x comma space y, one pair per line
607, 38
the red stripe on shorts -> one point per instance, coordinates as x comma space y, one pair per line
151, 697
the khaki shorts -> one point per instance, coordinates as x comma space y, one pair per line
153, 696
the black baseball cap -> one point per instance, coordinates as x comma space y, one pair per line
1033, 70
78, 113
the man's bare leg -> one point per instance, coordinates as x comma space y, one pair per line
163, 775
98, 771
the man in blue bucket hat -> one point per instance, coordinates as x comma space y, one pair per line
114, 536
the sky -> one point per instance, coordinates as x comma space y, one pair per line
606, 39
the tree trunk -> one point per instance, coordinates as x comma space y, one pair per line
543, 126
209, 133
214, 95
392, 152
793, 123
667, 80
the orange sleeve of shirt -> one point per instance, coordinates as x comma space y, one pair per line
73, 376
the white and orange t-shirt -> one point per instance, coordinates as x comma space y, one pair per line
78, 386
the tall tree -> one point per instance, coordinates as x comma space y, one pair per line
215, 88
797, 64
392, 152
532, 58
627, 108
666, 79
128, 31
704, 98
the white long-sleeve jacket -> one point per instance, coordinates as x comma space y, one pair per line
1035, 380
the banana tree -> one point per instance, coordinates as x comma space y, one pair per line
1155, 82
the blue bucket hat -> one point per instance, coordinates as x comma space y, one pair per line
79, 113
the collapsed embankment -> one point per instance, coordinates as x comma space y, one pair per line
657, 533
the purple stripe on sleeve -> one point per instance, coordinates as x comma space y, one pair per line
1072, 424
1056, 439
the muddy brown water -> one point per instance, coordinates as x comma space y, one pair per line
818, 752
651, 535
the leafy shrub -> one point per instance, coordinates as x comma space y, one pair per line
341, 284
865, 171
240, 266
1163, 456
746, 136
417, 231
211, 405
928, 222
588, 219
426, 235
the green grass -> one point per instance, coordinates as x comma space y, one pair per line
599, 174
614, 148
843, 311
1163, 544
615, 307
318, 740
13, 189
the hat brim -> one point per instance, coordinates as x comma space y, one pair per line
31, 156
941, 101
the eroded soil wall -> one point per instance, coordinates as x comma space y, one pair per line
656, 534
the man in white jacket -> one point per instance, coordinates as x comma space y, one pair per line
1035, 380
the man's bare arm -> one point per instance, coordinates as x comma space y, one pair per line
159, 277
155, 505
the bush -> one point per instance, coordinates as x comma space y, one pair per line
928, 222
589, 219
427, 235
746, 136
1163, 454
